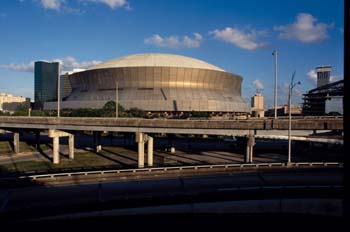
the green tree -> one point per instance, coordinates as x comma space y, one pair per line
197, 114
21, 110
22, 107
136, 112
109, 106
108, 110
38, 113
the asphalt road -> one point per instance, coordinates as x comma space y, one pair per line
40, 201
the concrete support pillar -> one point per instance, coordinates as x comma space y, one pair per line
97, 141
56, 148
37, 139
251, 154
71, 146
55, 135
150, 151
141, 149
16, 142
249, 148
247, 154
141, 155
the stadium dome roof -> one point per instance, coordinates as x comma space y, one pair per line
156, 60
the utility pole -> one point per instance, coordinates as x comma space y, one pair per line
58, 90
116, 99
291, 86
275, 54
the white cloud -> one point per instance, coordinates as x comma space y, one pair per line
62, 5
70, 63
171, 41
52, 4
193, 43
67, 63
240, 38
312, 75
113, 4
175, 41
258, 85
29, 67
305, 29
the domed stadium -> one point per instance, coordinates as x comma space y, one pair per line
157, 83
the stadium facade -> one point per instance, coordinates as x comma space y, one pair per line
157, 83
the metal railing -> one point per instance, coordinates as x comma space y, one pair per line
181, 168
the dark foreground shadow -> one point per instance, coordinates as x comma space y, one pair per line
193, 222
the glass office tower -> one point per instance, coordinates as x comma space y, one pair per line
45, 82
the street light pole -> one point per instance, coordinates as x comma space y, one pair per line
289, 125
290, 95
58, 91
116, 99
275, 54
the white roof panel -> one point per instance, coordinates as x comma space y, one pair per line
156, 59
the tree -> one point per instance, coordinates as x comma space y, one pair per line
136, 112
109, 106
198, 114
21, 110
108, 110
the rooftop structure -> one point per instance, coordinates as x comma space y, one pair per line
323, 75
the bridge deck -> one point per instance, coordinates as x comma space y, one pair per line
168, 125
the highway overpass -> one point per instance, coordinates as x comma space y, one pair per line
65, 126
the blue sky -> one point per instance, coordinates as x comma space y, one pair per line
238, 36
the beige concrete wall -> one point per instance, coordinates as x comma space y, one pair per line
159, 89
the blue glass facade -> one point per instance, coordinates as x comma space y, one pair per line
45, 82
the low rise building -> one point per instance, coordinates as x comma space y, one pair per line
283, 111
9, 103
257, 105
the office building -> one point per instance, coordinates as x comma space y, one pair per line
45, 82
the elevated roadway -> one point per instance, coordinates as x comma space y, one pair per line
173, 126
65, 126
